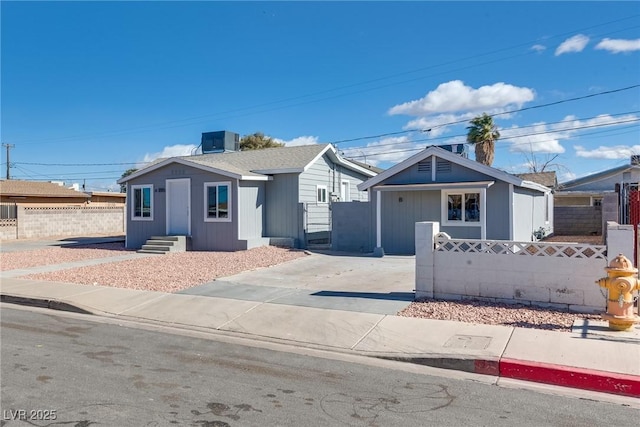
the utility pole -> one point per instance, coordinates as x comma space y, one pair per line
8, 146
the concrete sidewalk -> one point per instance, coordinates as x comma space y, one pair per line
589, 358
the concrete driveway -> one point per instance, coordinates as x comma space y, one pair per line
324, 280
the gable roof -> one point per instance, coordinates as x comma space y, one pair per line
256, 164
453, 158
597, 176
548, 179
18, 188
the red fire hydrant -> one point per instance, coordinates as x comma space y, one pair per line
621, 282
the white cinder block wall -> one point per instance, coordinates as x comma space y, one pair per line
561, 282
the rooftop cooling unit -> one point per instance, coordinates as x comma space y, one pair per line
220, 141
460, 149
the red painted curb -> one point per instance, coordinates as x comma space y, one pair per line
587, 379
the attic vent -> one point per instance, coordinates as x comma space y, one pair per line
443, 166
424, 166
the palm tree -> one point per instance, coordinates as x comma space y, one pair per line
483, 133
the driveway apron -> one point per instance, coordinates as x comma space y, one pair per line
324, 280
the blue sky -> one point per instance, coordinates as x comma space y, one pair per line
90, 89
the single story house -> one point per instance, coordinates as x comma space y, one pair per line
469, 199
234, 200
37, 192
106, 198
584, 205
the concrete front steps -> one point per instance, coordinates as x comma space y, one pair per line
164, 244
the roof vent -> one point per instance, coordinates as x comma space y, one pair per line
220, 142
635, 160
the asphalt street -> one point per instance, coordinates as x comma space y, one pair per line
86, 370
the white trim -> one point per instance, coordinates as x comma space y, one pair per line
326, 193
344, 198
453, 158
436, 186
444, 209
168, 204
378, 219
133, 201
511, 212
229, 201
434, 166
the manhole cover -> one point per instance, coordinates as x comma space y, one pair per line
471, 342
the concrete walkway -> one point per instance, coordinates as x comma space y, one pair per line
591, 357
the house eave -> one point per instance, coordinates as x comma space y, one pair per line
435, 186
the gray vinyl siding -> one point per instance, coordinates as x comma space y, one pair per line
420, 173
531, 212
281, 208
251, 204
205, 236
317, 215
354, 178
524, 211
400, 211
498, 211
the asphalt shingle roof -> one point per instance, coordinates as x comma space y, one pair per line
13, 187
253, 161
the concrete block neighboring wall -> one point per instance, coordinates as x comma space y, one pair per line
577, 220
8, 229
35, 222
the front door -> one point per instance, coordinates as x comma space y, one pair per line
179, 207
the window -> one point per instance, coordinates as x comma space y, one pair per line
462, 208
345, 191
142, 206
321, 193
217, 198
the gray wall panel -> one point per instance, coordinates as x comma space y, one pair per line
250, 209
281, 206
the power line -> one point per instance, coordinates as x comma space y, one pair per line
506, 130
492, 115
511, 137
143, 128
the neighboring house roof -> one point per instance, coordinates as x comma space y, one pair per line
454, 158
17, 188
548, 179
368, 166
257, 164
598, 176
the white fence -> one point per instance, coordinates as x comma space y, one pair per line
560, 275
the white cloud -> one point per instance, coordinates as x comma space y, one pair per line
609, 153
566, 176
456, 96
537, 138
538, 48
544, 138
170, 151
618, 45
301, 140
573, 44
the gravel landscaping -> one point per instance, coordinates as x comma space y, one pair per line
171, 272
177, 271
58, 255
491, 313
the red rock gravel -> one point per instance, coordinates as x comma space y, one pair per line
490, 313
172, 272
58, 255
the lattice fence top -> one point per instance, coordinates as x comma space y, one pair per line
506, 247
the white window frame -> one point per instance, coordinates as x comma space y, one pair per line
345, 197
324, 193
141, 187
463, 222
207, 185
